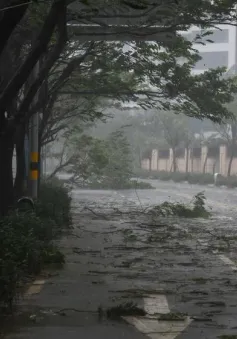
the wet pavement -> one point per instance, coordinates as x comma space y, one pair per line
182, 272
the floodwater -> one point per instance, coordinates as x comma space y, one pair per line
117, 253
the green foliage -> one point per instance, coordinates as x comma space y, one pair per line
230, 181
107, 165
140, 185
191, 178
111, 72
118, 172
27, 240
52, 255
89, 155
54, 203
200, 178
22, 243
195, 210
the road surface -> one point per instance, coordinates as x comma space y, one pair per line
182, 272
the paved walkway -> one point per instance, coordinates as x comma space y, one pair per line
174, 270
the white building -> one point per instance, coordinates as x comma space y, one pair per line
221, 52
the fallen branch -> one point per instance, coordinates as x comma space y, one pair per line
97, 214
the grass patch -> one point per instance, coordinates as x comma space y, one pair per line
196, 208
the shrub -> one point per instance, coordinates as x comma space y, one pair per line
54, 203
178, 176
22, 242
196, 209
27, 239
192, 178
52, 255
143, 174
163, 175
231, 181
201, 178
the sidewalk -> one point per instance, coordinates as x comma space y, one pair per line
131, 259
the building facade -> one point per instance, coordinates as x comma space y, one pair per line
221, 52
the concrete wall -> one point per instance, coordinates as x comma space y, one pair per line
146, 164
154, 160
224, 162
163, 165
181, 164
196, 164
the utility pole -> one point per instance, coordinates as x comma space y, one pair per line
34, 147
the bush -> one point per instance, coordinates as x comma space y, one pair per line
140, 185
22, 242
178, 176
196, 208
163, 175
200, 178
27, 240
192, 178
230, 182
54, 203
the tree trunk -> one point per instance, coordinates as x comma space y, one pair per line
204, 165
6, 177
40, 168
140, 158
187, 158
214, 168
230, 164
56, 16
233, 146
174, 161
19, 184
9, 20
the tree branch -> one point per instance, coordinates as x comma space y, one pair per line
21, 115
9, 20
39, 48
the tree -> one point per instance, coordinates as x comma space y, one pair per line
48, 40
175, 133
81, 155
118, 172
210, 141
159, 80
105, 162
11, 116
12, 13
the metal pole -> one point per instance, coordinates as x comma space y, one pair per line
34, 147
45, 160
26, 150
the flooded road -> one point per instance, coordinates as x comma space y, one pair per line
182, 272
